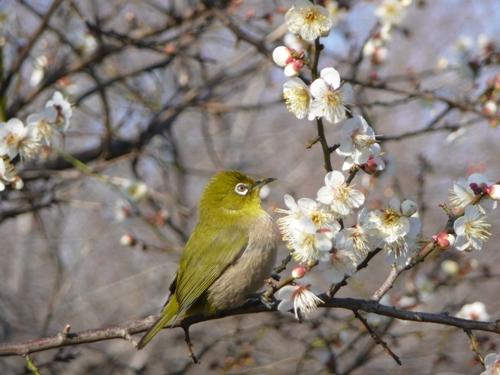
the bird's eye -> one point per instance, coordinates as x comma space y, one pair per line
241, 189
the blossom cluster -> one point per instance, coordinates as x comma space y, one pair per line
326, 96
25, 141
314, 229
472, 229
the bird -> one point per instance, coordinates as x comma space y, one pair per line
230, 253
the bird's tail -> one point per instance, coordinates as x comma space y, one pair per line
168, 317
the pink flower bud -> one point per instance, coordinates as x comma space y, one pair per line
444, 240
282, 56
299, 272
128, 240
408, 207
379, 56
490, 107
293, 69
493, 191
18, 183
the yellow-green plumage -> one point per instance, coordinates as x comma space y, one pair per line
230, 253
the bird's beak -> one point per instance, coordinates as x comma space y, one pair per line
263, 182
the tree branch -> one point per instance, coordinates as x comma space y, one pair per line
125, 331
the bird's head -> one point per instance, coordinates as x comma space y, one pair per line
232, 192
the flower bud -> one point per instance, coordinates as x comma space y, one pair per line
444, 240
408, 207
282, 56
293, 69
490, 107
128, 240
493, 191
373, 165
450, 267
299, 272
379, 56
17, 183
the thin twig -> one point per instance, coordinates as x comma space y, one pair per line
376, 337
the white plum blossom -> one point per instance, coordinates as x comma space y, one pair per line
360, 239
15, 138
398, 232
491, 364
306, 241
293, 213
404, 248
330, 96
58, 111
358, 140
134, 190
84, 42
340, 197
43, 127
298, 98
408, 207
389, 223
293, 233
41, 64
299, 298
319, 214
471, 229
373, 165
391, 12
338, 262
308, 20
474, 311
465, 191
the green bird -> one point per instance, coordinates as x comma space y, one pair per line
230, 253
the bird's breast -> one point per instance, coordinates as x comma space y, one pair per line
247, 274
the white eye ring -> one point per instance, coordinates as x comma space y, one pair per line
241, 189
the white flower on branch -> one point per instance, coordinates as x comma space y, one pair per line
307, 241
308, 20
398, 232
464, 191
391, 12
298, 98
360, 239
330, 96
492, 364
58, 111
358, 140
299, 298
474, 311
338, 262
340, 197
406, 247
471, 229
15, 138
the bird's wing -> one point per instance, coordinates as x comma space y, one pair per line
198, 273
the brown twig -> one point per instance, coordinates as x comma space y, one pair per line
473, 345
376, 337
189, 344
125, 331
